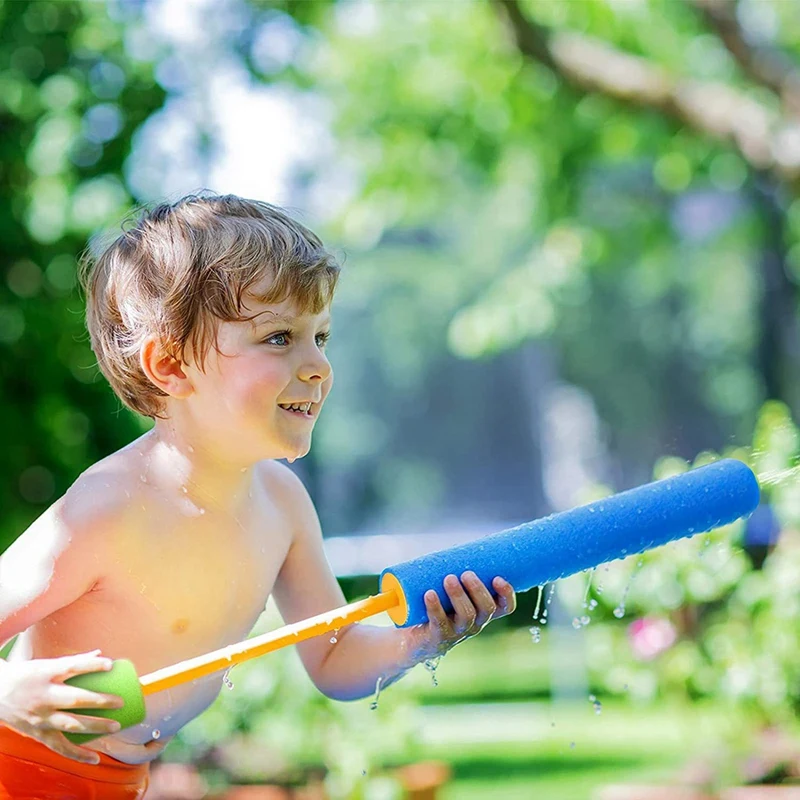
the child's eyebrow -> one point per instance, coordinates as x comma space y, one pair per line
287, 320
274, 317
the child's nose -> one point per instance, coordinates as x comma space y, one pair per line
315, 369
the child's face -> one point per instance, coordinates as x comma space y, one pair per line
276, 360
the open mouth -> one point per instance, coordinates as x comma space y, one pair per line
298, 409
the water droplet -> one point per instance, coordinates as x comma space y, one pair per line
191, 449
592, 604
572, 745
576, 623
547, 602
143, 478
156, 733
536, 634
551, 593
538, 603
184, 489
585, 620
373, 706
431, 664
588, 588
202, 511
226, 680
334, 638
619, 611
598, 706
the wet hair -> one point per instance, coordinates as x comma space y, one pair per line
184, 267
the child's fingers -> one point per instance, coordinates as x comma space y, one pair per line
436, 616
506, 597
70, 666
69, 723
462, 605
481, 598
59, 743
64, 696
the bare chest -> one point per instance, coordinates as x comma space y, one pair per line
175, 588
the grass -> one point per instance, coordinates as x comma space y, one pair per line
566, 751
492, 719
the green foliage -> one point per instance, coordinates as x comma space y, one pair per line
629, 241
736, 637
70, 101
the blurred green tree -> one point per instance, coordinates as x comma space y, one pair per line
618, 179
70, 101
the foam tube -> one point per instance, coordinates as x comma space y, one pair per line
562, 544
531, 555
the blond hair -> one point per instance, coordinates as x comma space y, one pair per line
182, 268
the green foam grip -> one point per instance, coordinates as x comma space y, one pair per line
120, 680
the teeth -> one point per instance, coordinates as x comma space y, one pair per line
304, 407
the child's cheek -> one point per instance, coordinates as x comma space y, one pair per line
255, 384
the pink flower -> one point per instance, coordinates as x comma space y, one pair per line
650, 636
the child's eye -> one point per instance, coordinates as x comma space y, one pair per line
282, 336
281, 339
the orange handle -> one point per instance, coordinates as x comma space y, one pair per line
225, 657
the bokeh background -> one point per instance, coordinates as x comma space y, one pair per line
570, 233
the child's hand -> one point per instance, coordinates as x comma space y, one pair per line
472, 608
35, 701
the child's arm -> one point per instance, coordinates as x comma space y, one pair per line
350, 668
49, 566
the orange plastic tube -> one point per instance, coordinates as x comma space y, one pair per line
225, 657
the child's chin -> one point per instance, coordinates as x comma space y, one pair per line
294, 455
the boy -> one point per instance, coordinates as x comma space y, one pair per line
211, 316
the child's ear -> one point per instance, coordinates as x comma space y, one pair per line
165, 371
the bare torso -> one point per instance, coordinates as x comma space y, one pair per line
178, 580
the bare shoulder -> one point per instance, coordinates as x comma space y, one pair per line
60, 555
93, 505
284, 490
100, 498
276, 476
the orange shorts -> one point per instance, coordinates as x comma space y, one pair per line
31, 771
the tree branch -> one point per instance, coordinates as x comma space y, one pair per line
764, 139
766, 66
